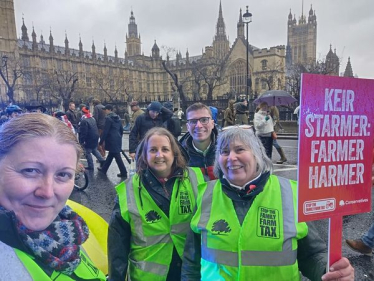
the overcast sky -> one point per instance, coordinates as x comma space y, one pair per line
346, 24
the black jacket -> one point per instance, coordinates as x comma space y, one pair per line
311, 251
112, 134
72, 116
197, 159
119, 235
143, 124
99, 115
88, 133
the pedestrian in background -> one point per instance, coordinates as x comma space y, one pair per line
241, 110
89, 138
136, 112
274, 113
155, 116
112, 137
229, 115
264, 127
173, 124
245, 226
149, 224
72, 116
99, 115
126, 118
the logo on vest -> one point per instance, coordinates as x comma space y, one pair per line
94, 271
152, 216
220, 227
268, 223
184, 203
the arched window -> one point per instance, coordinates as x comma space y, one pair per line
237, 77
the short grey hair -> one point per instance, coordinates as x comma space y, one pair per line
248, 138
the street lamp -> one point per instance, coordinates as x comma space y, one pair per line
247, 18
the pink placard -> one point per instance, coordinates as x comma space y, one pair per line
335, 146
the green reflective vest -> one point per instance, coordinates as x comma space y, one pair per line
264, 247
85, 270
153, 234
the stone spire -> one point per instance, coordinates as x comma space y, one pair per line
348, 69
81, 54
93, 50
240, 26
67, 50
25, 36
105, 53
133, 42
220, 43
155, 50
51, 46
115, 54
34, 43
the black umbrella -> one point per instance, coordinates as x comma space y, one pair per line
275, 98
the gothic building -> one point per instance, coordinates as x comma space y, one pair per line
49, 70
302, 39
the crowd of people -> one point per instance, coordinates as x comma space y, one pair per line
204, 206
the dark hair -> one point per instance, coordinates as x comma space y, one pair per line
142, 165
96, 101
198, 106
109, 107
35, 125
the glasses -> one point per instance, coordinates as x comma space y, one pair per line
238, 126
202, 120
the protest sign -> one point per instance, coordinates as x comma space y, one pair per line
335, 147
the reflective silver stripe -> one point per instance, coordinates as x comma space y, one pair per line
217, 256
152, 267
255, 258
180, 228
140, 239
193, 180
206, 202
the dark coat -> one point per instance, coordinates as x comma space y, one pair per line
112, 134
99, 115
72, 116
205, 162
143, 124
119, 235
88, 133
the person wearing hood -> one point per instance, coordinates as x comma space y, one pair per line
229, 115
257, 236
112, 136
200, 141
155, 116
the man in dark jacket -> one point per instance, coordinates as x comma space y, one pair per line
89, 137
112, 136
173, 124
72, 115
200, 141
99, 115
155, 116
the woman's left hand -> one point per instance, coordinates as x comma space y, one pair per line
342, 270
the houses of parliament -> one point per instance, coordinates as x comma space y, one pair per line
219, 70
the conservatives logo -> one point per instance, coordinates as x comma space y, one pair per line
360, 201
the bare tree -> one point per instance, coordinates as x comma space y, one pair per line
113, 88
270, 74
62, 84
211, 71
10, 72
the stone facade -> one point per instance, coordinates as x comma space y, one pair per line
219, 70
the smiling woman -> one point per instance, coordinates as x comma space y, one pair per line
148, 227
38, 159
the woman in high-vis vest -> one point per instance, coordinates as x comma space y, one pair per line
149, 224
245, 225
40, 237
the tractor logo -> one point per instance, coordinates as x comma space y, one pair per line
220, 227
152, 216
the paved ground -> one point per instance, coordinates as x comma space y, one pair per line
100, 195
